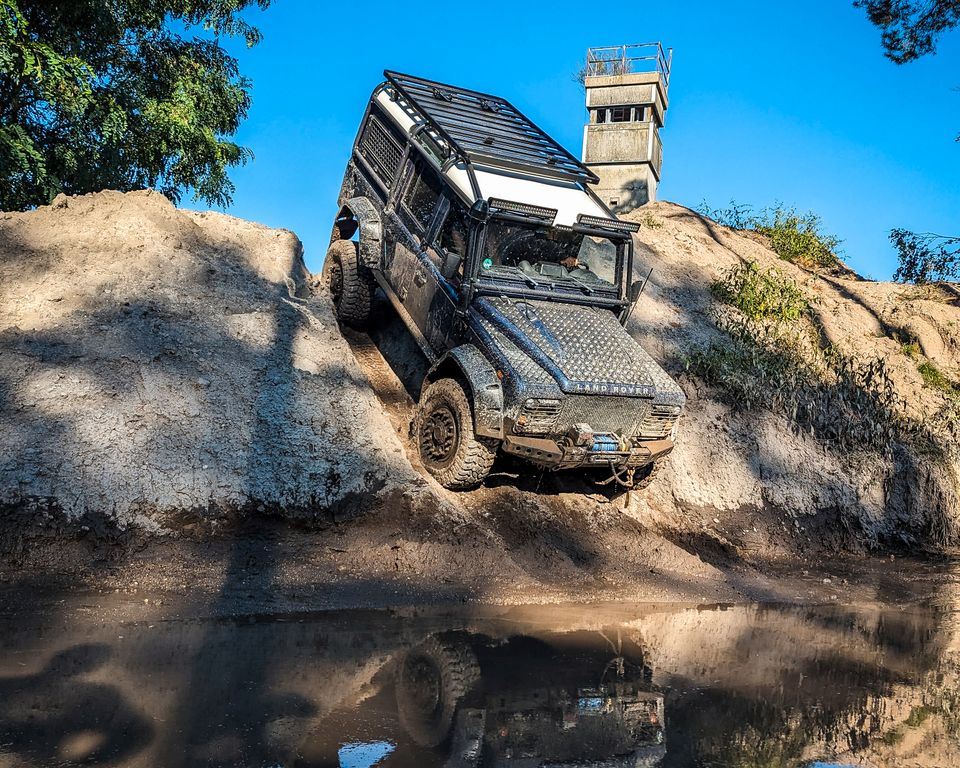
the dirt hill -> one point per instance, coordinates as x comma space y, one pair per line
156, 362
835, 422
162, 369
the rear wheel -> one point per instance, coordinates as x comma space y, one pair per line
350, 282
447, 444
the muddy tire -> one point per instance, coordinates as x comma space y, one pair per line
448, 447
432, 681
645, 476
350, 282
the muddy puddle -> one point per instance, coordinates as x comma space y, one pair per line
593, 685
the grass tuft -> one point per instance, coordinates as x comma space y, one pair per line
760, 294
911, 349
934, 378
795, 237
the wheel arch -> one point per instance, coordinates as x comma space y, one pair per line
485, 392
359, 213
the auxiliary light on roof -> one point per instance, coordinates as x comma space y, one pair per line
524, 209
602, 223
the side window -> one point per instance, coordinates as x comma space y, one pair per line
421, 196
454, 235
455, 230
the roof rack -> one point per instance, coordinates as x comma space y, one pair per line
487, 130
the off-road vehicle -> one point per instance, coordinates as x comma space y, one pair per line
514, 279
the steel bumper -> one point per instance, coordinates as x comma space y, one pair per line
554, 455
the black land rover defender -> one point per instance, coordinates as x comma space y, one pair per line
513, 277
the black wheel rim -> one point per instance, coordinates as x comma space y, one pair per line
336, 279
439, 437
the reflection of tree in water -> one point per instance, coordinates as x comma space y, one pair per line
56, 716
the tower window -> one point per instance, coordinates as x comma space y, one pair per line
601, 115
620, 115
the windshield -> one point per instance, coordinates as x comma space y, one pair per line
549, 257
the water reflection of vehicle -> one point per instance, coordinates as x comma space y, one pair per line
523, 703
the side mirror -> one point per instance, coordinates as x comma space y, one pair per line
636, 288
479, 211
451, 264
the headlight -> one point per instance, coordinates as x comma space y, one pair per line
538, 416
660, 423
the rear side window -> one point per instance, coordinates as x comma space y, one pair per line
421, 196
380, 148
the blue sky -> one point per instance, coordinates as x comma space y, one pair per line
768, 101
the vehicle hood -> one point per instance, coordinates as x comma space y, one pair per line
585, 349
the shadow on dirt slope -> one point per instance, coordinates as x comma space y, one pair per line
194, 379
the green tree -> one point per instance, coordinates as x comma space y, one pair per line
925, 257
911, 29
115, 95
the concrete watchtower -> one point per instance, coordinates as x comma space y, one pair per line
627, 99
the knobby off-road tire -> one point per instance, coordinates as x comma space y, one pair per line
448, 447
432, 680
350, 282
645, 476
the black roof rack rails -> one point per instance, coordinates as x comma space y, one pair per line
488, 130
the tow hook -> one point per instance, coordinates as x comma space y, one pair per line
624, 480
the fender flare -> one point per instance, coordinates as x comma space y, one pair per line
371, 228
486, 391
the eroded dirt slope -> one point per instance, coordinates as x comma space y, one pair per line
753, 477
156, 362
164, 371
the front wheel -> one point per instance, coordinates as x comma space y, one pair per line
351, 285
448, 447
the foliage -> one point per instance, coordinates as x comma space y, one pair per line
737, 216
601, 68
100, 95
831, 394
760, 293
910, 28
770, 361
911, 349
797, 238
650, 221
925, 258
934, 378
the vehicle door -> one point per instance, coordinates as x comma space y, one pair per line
415, 269
447, 252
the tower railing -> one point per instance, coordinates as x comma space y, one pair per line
630, 59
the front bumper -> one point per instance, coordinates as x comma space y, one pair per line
552, 454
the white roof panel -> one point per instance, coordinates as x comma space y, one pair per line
567, 197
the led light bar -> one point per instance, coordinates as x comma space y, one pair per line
524, 209
602, 223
